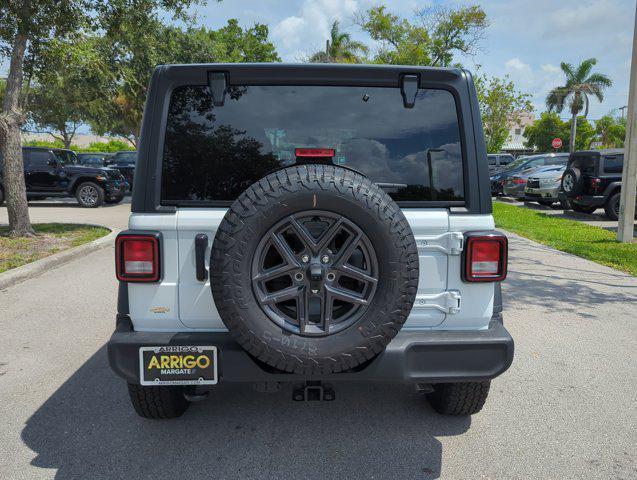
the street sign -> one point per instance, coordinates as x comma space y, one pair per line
556, 143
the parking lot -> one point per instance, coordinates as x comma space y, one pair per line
565, 409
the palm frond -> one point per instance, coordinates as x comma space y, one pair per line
567, 68
584, 69
600, 80
556, 98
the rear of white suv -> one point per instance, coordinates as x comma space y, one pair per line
309, 224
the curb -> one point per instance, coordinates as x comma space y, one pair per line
34, 269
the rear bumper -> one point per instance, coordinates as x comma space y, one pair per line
515, 191
585, 200
428, 357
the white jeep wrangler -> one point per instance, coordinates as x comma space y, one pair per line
310, 224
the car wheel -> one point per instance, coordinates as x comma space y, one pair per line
295, 269
89, 195
582, 209
159, 402
611, 207
459, 399
114, 200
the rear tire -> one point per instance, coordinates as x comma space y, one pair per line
611, 207
158, 402
459, 399
581, 209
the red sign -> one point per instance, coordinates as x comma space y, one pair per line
556, 143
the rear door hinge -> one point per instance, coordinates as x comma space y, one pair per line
450, 243
446, 302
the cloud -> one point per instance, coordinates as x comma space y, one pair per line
306, 31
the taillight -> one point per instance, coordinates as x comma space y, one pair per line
485, 258
595, 183
137, 257
518, 181
314, 152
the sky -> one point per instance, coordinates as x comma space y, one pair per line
526, 40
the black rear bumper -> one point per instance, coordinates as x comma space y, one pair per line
435, 356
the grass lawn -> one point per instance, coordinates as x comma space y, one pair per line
593, 243
51, 238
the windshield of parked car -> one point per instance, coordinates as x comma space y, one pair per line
128, 158
214, 153
516, 163
65, 157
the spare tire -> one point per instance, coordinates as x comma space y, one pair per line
314, 269
572, 182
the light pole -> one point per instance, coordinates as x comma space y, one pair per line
622, 109
626, 226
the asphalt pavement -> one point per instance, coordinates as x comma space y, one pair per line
566, 409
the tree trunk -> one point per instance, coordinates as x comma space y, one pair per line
11, 119
571, 143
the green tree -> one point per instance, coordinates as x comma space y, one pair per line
544, 130
340, 48
65, 73
611, 131
500, 106
438, 33
24, 26
580, 83
549, 126
133, 53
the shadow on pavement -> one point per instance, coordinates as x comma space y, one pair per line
71, 203
87, 429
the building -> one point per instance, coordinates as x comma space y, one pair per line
515, 142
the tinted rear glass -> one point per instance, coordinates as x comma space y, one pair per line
587, 164
214, 153
125, 158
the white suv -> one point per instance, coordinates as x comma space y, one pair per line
310, 224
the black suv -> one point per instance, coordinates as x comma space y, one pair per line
124, 162
592, 180
52, 172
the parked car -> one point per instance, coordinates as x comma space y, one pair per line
524, 163
497, 161
257, 252
54, 172
93, 159
593, 180
124, 162
514, 186
543, 185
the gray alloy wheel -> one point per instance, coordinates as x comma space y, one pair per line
568, 183
90, 195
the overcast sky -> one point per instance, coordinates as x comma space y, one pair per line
526, 40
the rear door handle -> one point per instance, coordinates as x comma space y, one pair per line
201, 244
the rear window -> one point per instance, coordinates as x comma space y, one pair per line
214, 153
125, 158
585, 163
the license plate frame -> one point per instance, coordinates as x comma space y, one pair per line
180, 369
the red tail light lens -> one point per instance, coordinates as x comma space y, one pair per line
486, 258
137, 258
518, 181
314, 152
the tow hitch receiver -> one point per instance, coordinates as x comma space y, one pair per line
313, 390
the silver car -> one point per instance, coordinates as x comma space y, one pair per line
543, 186
514, 185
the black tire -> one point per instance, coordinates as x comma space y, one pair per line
459, 399
611, 207
158, 402
572, 182
114, 200
582, 209
297, 191
94, 195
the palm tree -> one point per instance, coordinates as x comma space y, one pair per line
580, 83
340, 48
